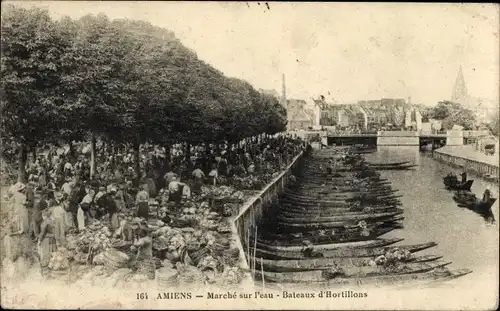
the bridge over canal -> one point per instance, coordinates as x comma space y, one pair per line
405, 138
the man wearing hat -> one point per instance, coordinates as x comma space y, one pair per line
175, 191
142, 201
112, 208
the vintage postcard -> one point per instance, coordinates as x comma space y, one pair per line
249, 155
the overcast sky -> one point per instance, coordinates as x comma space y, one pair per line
352, 51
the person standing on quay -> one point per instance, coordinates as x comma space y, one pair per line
142, 201
46, 240
19, 205
60, 215
199, 177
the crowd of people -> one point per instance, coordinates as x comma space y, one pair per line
61, 196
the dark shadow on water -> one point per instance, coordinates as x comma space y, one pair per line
486, 213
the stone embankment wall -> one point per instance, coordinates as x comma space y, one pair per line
469, 165
246, 221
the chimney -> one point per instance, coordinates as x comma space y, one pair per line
283, 92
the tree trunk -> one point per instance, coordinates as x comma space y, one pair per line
23, 155
71, 149
167, 154
207, 149
92, 156
137, 158
33, 150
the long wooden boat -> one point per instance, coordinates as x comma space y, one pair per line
330, 247
308, 194
286, 265
293, 226
352, 271
350, 168
335, 194
344, 191
320, 204
314, 179
291, 210
355, 216
437, 275
338, 253
276, 233
458, 185
315, 173
328, 239
388, 164
325, 199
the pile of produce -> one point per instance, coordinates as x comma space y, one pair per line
333, 272
391, 258
248, 182
60, 259
95, 239
230, 276
222, 192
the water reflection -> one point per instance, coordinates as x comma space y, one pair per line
486, 213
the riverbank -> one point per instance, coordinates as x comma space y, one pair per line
469, 159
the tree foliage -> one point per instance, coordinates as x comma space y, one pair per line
453, 114
126, 81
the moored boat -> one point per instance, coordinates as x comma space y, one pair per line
280, 265
327, 239
352, 272
330, 247
355, 216
384, 280
341, 252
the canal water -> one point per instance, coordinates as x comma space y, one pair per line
464, 237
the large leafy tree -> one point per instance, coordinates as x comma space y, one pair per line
31, 50
124, 81
453, 113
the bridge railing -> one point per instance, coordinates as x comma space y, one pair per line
432, 132
476, 133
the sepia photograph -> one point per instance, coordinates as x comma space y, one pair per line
176, 155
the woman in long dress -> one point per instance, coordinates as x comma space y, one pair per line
46, 239
59, 215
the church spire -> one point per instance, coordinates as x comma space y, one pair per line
460, 94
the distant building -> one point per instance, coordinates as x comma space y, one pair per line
483, 108
365, 114
298, 117
459, 94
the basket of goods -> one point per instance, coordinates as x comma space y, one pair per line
167, 277
221, 245
227, 210
147, 268
114, 259
160, 243
121, 245
190, 275
196, 255
231, 276
158, 263
223, 228
59, 260
231, 256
